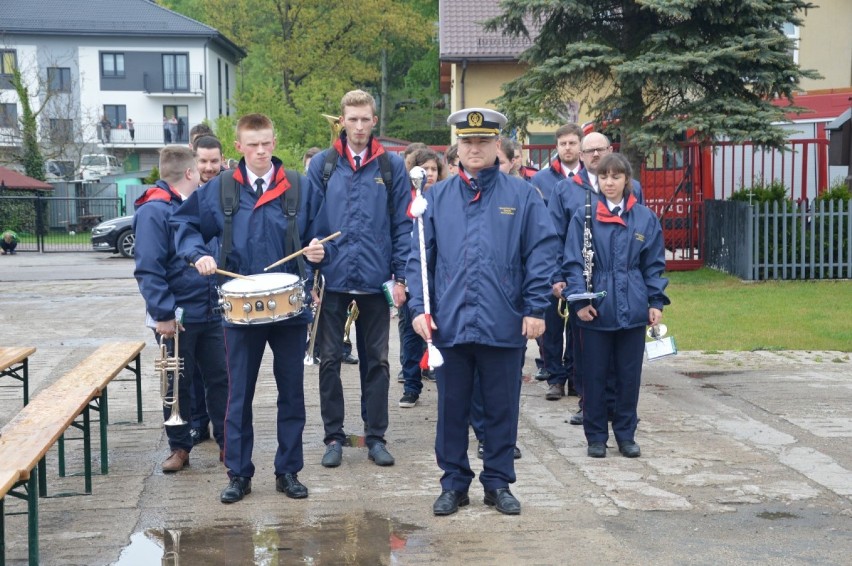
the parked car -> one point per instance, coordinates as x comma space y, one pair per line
58, 170
93, 166
115, 236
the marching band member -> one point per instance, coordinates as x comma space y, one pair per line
556, 349
259, 232
366, 191
166, 282
490, 250
628, 263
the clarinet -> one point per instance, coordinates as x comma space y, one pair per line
588, 252
588, 260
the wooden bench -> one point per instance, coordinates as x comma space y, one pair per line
25, 440
14, 362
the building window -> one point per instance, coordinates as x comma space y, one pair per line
112, 64
175, 72
8, 62
8, 116
792, 33
116, 114
61, 130
58, 79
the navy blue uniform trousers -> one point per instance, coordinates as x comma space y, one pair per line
500, 387
245, 346
203, 351
611, 355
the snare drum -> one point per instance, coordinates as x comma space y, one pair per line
266, 298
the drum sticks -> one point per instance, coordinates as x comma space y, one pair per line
300, 252
228, 273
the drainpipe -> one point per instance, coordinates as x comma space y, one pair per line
464, 72
206, 76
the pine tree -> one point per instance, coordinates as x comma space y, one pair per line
711, 67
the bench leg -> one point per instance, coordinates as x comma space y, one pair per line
42, 477
137, 369
2, 533
21, 373
26, 379
87, 450
61, 455
103, 409
32, 517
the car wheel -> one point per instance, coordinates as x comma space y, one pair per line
126, 243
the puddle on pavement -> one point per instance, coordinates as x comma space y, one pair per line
364, 538
355, 441
776, 515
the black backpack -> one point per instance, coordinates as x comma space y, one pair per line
230, 198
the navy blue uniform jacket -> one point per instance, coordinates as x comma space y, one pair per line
568, 197
629, 262
166, 280
490, 257
376, 235
259, 225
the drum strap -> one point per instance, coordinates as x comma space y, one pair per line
230, 198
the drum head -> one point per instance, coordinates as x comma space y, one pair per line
261, 282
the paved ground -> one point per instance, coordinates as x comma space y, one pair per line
745, 460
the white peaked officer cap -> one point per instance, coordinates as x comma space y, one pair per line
477, 122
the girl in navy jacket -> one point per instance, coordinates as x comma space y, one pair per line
628, 263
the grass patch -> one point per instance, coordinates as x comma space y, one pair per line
712, 311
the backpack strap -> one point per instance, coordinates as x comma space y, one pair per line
230, 199
290, 205
387, 178
328, 166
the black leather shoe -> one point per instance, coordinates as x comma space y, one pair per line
503, 499
577, 418
237, 489
350, 359
597, 450
449, 502
480, 450
542, 374
517, 453
571, 392
629, 449
290, 485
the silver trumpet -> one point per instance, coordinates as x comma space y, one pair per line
319, 283
172, 556
165, 365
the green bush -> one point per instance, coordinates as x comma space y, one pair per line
762, 192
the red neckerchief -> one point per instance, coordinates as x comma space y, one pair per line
158, 193
276, 188
556, 165
603, 214
375, 149
466, 179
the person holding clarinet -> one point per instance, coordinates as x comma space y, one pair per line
489, 252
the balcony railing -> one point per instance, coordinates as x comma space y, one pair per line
173, 83
145, 134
